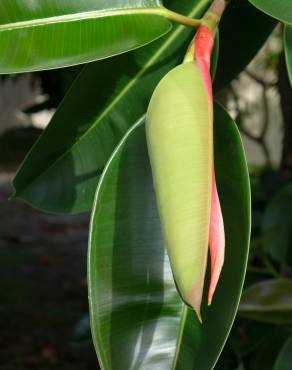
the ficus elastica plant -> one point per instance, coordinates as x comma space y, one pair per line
140, 142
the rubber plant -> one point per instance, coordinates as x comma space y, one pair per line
139, 129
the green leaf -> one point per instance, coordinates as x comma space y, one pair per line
61, 172
288, 49
137, 318
284, 359
37, 35
240, 39
268, 301
247, 336
214, 57
279, 9
265, 356
276, 229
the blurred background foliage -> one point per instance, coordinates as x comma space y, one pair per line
47, 254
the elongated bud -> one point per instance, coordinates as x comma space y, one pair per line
180, 141
179, 128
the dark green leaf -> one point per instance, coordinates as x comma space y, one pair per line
138, 320
264, 358
284, 360
228, 358
288, 49
247, 336
37, 35
215, 55
61, 172
279, 9
276, 229
243, 31
268, 301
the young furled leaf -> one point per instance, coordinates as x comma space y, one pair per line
179, 126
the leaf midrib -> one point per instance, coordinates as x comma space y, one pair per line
93, 14
123, 92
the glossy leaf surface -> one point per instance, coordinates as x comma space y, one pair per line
288, 49
104, 102
94, 124
138, 320
57, 33
240, 43
268, 301
276, 229
284, 360
279, 9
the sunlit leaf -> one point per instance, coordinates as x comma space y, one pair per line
37, 35
279, 9
138, 320
115, 94
104, 102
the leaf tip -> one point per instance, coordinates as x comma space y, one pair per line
194, 301
199, 316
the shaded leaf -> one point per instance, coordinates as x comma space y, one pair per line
276, 229
268, 301
138, 320
104, 102
284, 359
288, 49
265, 356
240, 42
214, 57
57, 33
279, 9
248, 335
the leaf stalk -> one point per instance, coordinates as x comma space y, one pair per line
181, 19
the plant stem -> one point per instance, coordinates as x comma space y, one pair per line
211, 20
181, 19
212, 17
216, 9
